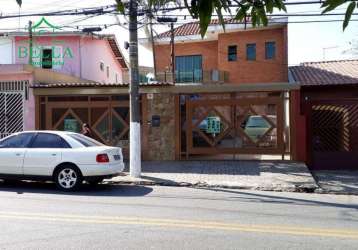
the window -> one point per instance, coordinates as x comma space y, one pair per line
188, 68
270, 50
101, 66
85, 141
17, 141
47, 58
232, 53
107, 71
251, 52
44, 140
116, 78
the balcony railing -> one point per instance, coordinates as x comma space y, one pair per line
195, 76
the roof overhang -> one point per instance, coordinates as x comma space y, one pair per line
166, 88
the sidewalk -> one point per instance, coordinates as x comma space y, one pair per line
338, 182
256, 175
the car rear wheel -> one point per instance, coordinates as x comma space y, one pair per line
68, 178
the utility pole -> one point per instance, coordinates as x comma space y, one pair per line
30, 43
172, 50
134, 126
170, 20
153, 48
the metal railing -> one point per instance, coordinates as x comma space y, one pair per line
194, 76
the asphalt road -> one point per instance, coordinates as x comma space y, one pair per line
37, 216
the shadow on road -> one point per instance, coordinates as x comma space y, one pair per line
265, 198
22, 187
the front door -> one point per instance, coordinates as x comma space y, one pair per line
12, 151
44, 154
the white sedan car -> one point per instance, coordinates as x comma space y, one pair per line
66, 158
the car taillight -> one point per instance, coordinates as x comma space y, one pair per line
102, 158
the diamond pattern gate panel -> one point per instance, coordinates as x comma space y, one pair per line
334, 135
107, 117
235, 126
12, 98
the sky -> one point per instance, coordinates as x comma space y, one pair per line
307, 42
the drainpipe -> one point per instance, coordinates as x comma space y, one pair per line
30, 43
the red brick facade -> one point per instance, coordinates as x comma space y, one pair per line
215, 55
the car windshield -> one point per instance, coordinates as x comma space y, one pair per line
85, 141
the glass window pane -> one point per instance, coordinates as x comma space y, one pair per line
232, 53
85, 141
270, 50
17, 141
44, 140
188, 68
251, 52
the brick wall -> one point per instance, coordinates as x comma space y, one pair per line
241, 71
206, 49
260, 70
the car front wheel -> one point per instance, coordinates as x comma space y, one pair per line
68, 178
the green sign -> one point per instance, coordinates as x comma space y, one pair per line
214, 125
71, 125
51, 53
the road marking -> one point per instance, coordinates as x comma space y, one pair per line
210, 225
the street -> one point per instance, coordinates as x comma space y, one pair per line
37, 216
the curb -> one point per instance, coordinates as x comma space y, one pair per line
292, 188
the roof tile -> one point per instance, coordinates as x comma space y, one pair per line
193, 28
326, 73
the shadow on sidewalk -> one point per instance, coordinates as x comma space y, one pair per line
337, 181
21, 187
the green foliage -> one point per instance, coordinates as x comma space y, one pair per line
330, 5
257, 10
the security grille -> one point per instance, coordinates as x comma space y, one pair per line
334, 136
12, 97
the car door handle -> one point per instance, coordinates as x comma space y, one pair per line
54, 154
18, 154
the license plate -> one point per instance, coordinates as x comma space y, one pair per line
117, 157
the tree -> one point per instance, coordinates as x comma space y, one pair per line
330, 5
257, 10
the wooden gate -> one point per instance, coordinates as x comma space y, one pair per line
235, 126
107, 116
333, 135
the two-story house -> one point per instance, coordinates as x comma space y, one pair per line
49, 56
237, 55
231, 89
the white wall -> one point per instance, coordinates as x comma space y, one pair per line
6, 50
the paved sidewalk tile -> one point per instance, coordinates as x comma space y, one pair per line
259, 175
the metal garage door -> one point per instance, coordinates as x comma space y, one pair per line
334, 135
12, 97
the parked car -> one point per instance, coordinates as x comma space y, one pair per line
256, 127
66, 158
